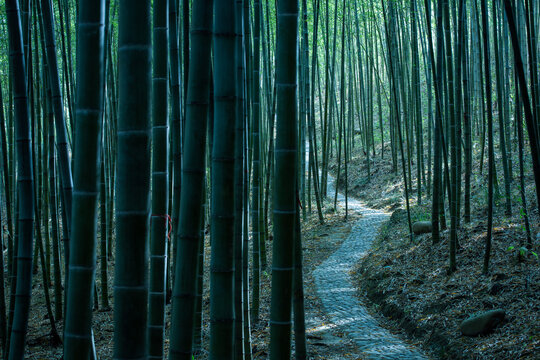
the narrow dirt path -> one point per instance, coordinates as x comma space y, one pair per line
337, 292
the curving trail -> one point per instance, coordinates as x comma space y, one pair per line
337, 292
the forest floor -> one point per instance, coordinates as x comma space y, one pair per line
408, 281
324, 340
405, 281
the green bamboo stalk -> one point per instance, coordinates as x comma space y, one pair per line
55, 338
25, 184
467, 131
13, 282
5, 173
193, 171
298, 293
239, 186
245, 234
524, 210
417, 100
263, 140
159, 222
60, 122
532, 39
175, 114
132, 180
81, 280
392, 64
53, 209
302, 111
7, 194
491, 175
103, 211
245, 71
199, 316
527, 104
437, 131
65, 41
255, 196
186, 56
33, 73
112, 86
452, 135
499, 73
271, 112
311, 128
285, 197
103, 254
222, 206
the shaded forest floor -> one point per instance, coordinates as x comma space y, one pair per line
405, 281
408, 281
324, 341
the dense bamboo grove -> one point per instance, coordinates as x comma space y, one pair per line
135, 134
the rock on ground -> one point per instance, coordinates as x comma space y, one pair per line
421, 227
482, 323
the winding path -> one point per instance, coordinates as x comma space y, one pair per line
337, 292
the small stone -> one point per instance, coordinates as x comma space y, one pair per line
421, 227
482, 323
495, 288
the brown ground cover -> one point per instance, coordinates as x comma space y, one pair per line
408, 281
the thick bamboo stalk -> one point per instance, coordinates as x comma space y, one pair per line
193, 172
286, 196
132, 181
25, 184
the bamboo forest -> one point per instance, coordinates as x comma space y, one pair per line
269, 179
